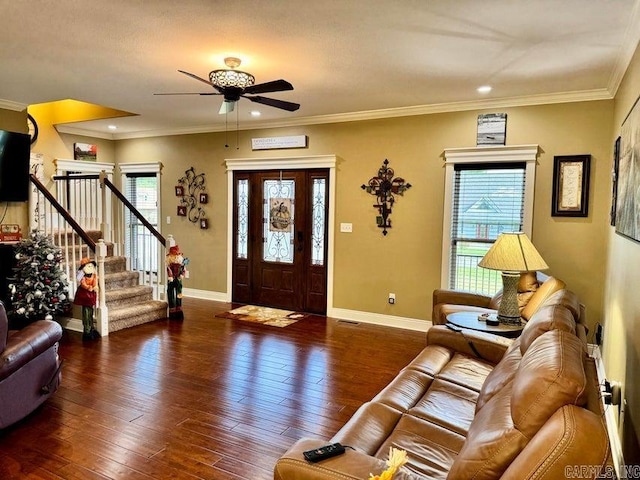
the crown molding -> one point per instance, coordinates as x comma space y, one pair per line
83, 132
9, 105
529, 100
552, 98
630, 42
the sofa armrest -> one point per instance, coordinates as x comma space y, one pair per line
352, 464
27, 344
485, 346
457, 297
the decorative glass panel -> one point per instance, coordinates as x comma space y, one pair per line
278, 220
318, 200
243, 218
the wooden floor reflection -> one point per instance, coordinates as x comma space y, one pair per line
207, 398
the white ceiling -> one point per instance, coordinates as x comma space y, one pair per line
346, 59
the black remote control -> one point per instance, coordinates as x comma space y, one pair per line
321, 453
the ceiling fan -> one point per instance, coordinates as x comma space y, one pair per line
233, 84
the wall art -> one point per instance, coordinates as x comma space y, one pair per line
85, 151
191, 190
492, 129
570, 197
628, 201
614, 181
384, 187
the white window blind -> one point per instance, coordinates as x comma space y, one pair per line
488, 199
141, 189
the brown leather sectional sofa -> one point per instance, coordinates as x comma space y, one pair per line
476, 406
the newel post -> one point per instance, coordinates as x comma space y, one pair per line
105, 224
103, 312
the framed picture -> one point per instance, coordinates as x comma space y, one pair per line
204, 198
204, 223
182, 210
179, 191
492, 129
85, 151
628, 179
570, 197
614, 181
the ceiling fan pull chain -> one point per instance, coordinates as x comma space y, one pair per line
226, 130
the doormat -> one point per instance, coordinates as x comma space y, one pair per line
265, 315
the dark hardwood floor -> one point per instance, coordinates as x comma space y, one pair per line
207, 398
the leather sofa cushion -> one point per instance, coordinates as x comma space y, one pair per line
551, 374
572, 438
546, 289
431, 449
466, 371
568, 300
492, 442
432, 359
366, 430
449, 405
549, 317
405, 389
501, 375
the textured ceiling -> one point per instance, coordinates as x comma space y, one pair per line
345, 59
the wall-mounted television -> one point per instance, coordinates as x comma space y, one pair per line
14, 166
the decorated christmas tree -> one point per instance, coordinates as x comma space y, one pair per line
39, 288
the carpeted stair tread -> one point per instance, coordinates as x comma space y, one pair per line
129, 295
121, 280
130, 316
114, 264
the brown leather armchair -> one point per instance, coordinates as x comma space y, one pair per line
451, 301
29, 367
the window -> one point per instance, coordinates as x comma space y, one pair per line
141, 189
488, 190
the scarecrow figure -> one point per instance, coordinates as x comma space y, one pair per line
87, 297
176, 264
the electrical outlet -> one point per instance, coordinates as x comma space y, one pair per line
168, 220
392, 298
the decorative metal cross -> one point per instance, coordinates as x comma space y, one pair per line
384, 186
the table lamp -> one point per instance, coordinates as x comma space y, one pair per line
512, 254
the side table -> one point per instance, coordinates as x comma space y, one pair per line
470, 320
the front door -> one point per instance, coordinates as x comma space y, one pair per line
280, 240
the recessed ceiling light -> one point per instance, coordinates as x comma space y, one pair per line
484, 89
255, 113
112, 127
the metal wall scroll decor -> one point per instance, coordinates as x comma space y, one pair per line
384, 187
191, 189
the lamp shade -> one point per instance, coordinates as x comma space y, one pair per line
513, 252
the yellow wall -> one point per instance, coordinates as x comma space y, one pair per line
621, 348
407, 261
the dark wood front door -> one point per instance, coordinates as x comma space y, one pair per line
280, 239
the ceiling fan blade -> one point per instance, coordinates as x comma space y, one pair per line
199, 79
227, 107
189, 93
274, 86
272, 102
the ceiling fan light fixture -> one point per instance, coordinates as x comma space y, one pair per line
231, 78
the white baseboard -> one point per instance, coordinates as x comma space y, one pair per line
205, 294
379, 319
610, 412
340, 313
69, 323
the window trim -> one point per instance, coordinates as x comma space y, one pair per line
479, 155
